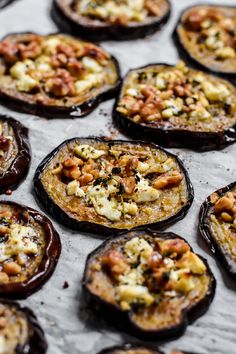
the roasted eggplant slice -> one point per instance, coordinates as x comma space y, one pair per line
29, 250
177, 107
119, 20
136, 349
100, 186
14, 153
20, 332
206, 36
218, 225
55, 75
150, 284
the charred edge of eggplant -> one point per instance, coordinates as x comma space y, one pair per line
5, 3
46, 268
36, 343
123, 320
186, 55
205, 232
172, 138
106, 32
19, 168
127, 347
85, 226
48, 111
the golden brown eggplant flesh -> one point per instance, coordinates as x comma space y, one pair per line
15, 154
100, 186
55, 75
103, 20
20, 332
218, 226
149, 284
30, 249
176, 106
205, 35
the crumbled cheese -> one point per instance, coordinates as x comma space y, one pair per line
130, 208
19, 71
42, 64
51, 44
182, 280
225, 53
88, 152
91, 80
73, 188
212, 43
142, 167
192, 262
168, 165
138, 248
91, 65
200, 114
18, 242
164, 78
134, 293
26, 83
99, 196
132, 92
215, 92
133, 277
144, 193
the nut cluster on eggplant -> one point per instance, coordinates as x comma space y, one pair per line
29, 250
205, 36
149, 284
14, 153
55, 75
95, 185
20, 332
176, 106
102, 20
137, 349
218, 225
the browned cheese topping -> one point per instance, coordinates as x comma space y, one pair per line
54, 70
115, 184
14, 329
223, 221
156, 278
178, 97
120, 12
22, 245
210, 36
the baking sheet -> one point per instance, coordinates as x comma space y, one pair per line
69, 326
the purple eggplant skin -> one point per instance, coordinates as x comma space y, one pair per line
123, 320
49, 111
205, 231
47, 266
127, 347
86, 226
36, 343
107, 31
18, 171
186, 55
172, 138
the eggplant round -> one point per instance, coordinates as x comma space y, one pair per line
149, 284
56, 75
205, 37
30, 249
71, 16
176, 106
15, 154
100, 186
20, 331
218, 226
136, 349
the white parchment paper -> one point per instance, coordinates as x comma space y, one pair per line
69, 326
